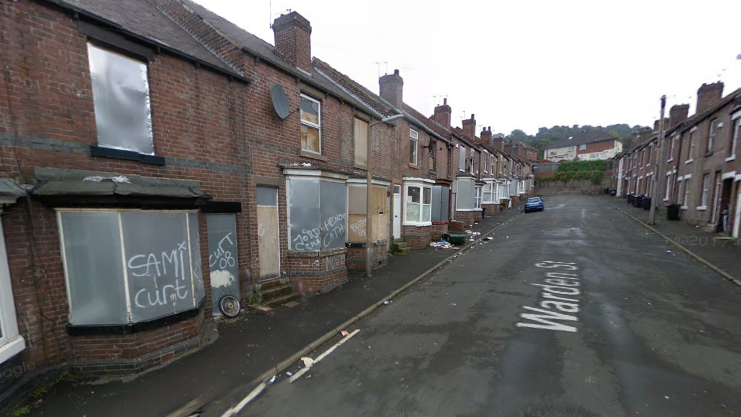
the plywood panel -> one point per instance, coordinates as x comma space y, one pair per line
356, 228
268, 241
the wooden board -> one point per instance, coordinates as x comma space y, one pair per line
268, 241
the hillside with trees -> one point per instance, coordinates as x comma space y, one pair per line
546, 136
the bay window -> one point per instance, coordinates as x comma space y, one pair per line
418, 202
11, 343
129, 266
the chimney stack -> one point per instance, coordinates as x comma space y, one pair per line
469, 127
486, 136
496, 141
708, 95
442, 114
508, 147
392, 88
293, 40
678, 113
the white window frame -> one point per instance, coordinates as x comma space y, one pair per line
668, 186
422, 184
583, 147
473, 155
462, 152
671, 150
486, 162
705, 193
712, 134
413, 149
692, 140
735, 136
11, 342
310, 124
477, 197
490, 186
687, 188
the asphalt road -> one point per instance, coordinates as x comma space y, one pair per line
655, 334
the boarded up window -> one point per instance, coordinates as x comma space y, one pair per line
465, 196
361, 143
357, 219
121, 101
440, 203
317, 214
462, 158
153, 258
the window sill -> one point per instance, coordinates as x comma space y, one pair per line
12, 348
413, 166
127, 155
702, 208
313, 155
708, 154
689, 161
670, 160
129, 328
363, 167
731, 158
684, 207
417, 223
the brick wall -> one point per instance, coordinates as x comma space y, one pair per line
316, 272
355, 257
417, 237
437, 230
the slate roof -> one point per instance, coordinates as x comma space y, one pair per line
251, 44
582, 138
142, 19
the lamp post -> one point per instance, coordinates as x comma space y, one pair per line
658, 166
369, 187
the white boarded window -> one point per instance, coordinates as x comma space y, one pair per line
705, 190
130, 266
413, 145
121, 101
462, 158
311, 121
361, 143
735, 137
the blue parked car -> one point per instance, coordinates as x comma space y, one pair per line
534, 204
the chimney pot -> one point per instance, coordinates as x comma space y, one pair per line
445, 101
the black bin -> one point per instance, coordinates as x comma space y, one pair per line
613, 192
631, 197
638, 201
605, 191
672, 211
647, 203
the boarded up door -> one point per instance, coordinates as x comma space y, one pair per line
267, 232
222, 257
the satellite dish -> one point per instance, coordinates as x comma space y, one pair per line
280, 101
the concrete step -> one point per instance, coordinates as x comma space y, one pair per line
279, 301
268, 285
399, 240
275, 292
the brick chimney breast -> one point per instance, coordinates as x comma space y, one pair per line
469, 127
392, 88
293, 40
486, 136
442, 114
708, 95
678, 113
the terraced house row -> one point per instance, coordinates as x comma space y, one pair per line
699, 170
155, 157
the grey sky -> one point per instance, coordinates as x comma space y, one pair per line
522, 64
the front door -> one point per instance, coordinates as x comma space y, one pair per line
397, 211
268, 237
222, 257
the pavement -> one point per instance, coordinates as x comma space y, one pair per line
246, 347
576, 311
717, 249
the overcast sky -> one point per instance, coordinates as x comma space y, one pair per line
522, 64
